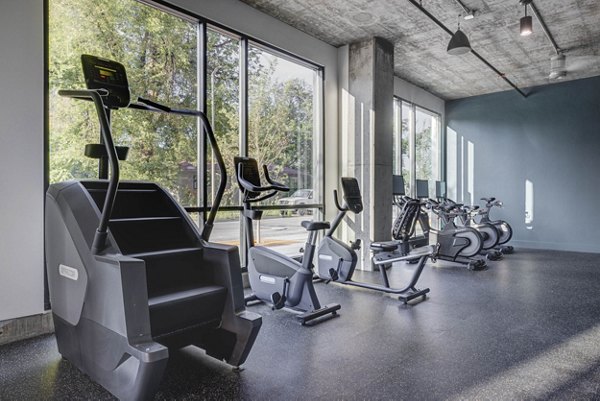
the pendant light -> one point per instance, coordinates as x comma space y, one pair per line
526, 23
459, 44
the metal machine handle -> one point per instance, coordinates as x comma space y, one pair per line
99, 243
337, 202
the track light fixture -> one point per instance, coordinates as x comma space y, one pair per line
526, 24
469, 13
459, 44
526, 21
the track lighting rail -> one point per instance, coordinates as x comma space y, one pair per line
483, 60
469, 14
537, 14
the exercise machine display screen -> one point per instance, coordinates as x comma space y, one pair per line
352, 194
422, 189
398, 185
105, 74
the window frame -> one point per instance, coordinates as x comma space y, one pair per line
399, 102
203, 24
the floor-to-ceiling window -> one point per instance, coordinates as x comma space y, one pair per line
417, 145
223, 78
159, 51
284, 135
261, 101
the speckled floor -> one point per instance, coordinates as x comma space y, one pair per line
528, 327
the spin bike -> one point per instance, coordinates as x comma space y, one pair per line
456, 244
277, 279
469, 217
504, 229
464, 214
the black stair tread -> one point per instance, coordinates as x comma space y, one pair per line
184, 295
149, 190
166, 252
136, 219
151, 235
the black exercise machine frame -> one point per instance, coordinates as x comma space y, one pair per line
95, 95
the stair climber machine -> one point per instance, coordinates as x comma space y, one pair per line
456, 244
478, 218
337, 260
130, 276
277, 279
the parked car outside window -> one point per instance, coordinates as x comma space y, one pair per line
299, 197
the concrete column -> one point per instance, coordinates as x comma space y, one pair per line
366, 137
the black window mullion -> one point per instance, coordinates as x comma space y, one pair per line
244, 96
202, 143
243, 135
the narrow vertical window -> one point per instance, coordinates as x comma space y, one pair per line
283, 134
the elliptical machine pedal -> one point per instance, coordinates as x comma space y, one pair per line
333, 274
277, 300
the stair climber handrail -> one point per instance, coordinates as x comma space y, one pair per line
145, 104
208, 225
95, 95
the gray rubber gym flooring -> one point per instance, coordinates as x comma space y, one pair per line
527, 328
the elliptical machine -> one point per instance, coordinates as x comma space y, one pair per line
337, 260
277, 279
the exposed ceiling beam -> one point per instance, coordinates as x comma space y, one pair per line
487, 63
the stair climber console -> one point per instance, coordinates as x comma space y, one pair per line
130, 275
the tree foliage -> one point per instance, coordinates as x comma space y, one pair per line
159, 51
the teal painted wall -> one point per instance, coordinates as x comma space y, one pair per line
539, 154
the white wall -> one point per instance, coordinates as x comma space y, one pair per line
418, 96
21, 158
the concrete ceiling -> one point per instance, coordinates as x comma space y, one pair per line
420, 45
